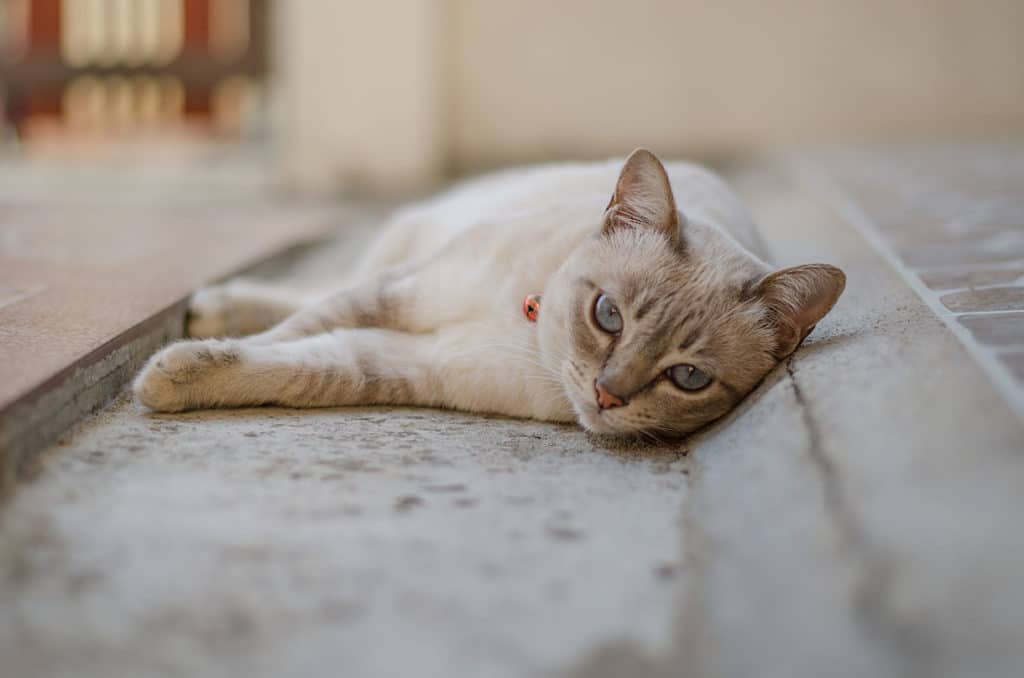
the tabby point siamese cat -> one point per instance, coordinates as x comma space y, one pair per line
649, 313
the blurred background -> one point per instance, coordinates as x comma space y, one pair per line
83, 76
399, 94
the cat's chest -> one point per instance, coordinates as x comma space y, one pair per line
497, 363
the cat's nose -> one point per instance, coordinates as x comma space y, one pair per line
605, 398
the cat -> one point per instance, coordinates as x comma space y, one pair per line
655, 317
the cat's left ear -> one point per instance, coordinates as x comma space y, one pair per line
796, 299
643, 197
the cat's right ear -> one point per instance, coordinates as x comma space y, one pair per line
796, 299
643, 197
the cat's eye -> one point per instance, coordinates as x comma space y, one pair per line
606, 315
688, 377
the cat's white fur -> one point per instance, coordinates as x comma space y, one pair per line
458, 267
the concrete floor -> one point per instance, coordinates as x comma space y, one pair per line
390, 542
857, 516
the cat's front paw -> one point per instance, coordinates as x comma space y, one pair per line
172, 380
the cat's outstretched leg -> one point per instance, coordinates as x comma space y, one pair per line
240, 308
456, 368
411, 298
351, 367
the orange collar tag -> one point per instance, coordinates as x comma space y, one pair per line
531, 307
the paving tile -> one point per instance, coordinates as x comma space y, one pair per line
954, 214
946, 229
1006, 245
951, 280
999, 329
990, 299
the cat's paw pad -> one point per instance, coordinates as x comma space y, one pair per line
168, 381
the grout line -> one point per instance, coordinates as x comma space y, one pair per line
970, 268
955, 290
959, 314
815, 178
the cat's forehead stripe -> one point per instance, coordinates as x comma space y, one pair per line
667, 314
690, 339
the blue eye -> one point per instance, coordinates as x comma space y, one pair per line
607, 316
688, 377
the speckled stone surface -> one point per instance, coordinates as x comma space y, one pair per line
335, 542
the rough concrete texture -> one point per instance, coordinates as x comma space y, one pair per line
380, 542
859, 516
855, 517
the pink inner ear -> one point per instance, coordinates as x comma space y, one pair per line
643, 197
798, 298
815, 309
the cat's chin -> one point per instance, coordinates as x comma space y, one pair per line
594, 421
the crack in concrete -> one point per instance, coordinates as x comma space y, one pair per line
905, 643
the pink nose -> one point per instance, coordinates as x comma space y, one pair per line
605, 398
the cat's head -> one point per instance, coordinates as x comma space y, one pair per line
661, 324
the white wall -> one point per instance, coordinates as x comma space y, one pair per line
357, 83
536, 77
405, 89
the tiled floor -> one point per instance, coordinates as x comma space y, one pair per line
953, 216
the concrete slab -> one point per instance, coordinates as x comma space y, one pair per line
855, 517
95, 265
859, 517
386, 542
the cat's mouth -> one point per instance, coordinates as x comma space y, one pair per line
595, 420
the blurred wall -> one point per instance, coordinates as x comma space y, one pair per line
360, 100
416, 87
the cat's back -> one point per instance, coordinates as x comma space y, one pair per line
571, 195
